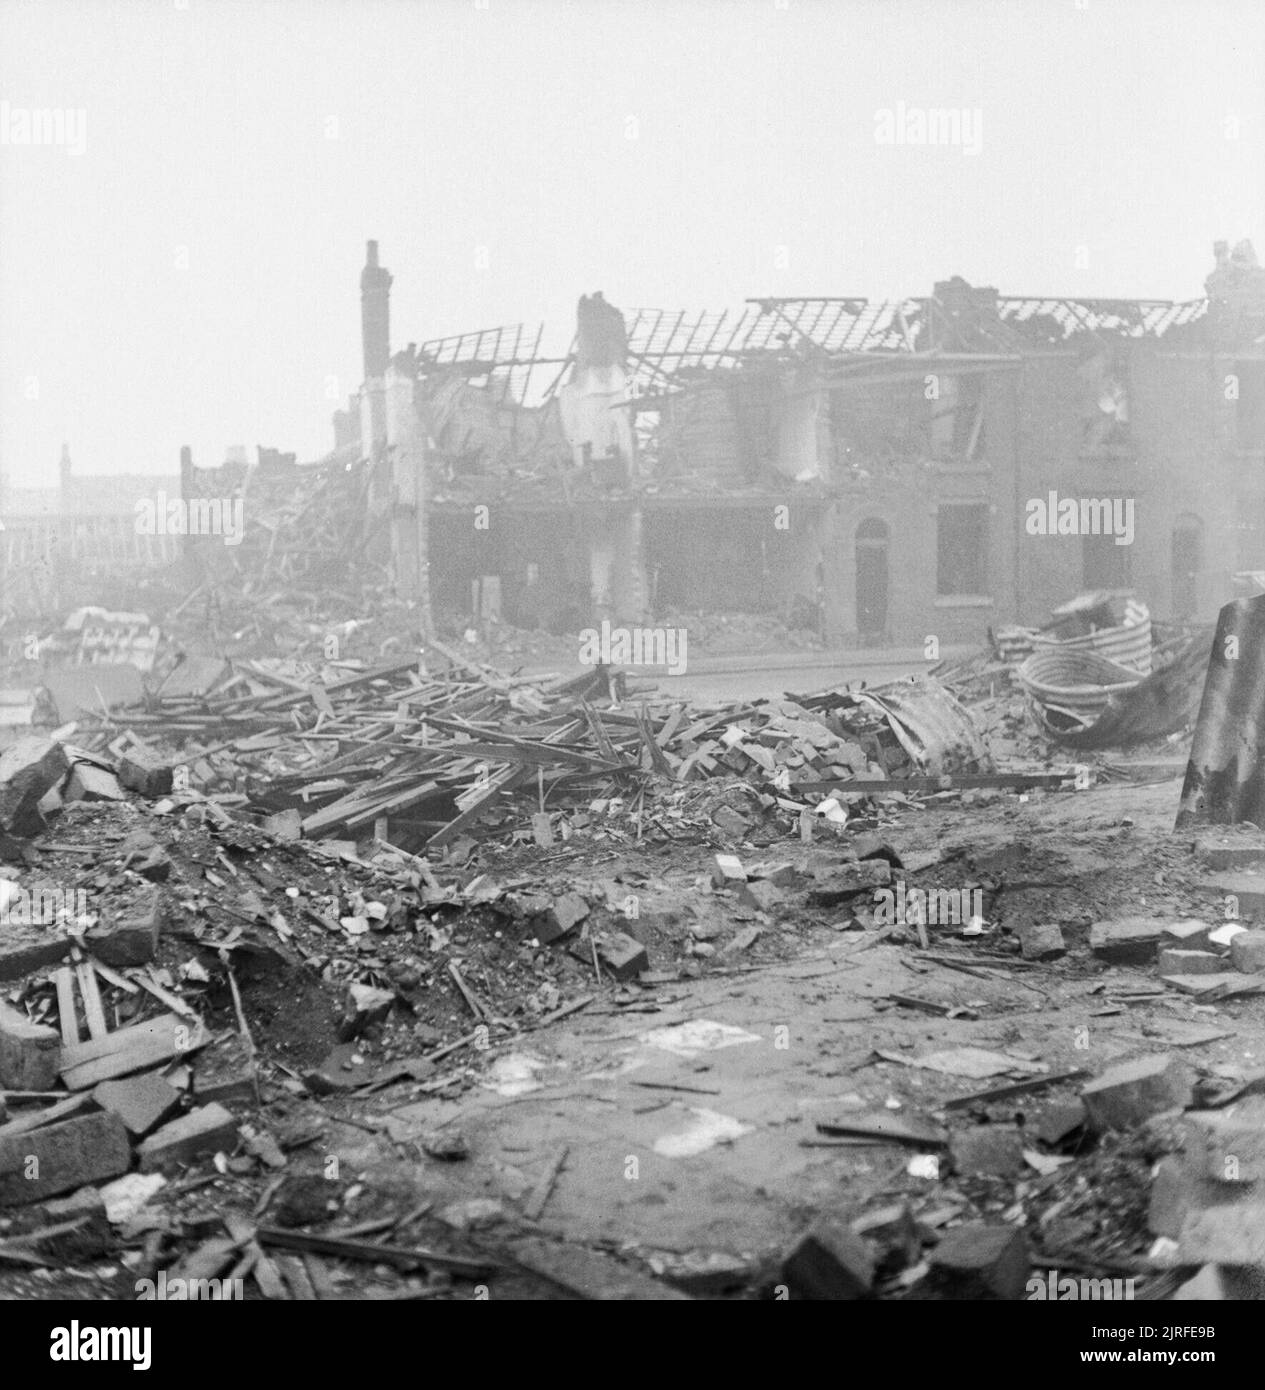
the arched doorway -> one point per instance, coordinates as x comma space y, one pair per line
1187, 563
871, 592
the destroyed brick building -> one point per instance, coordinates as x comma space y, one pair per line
870, 469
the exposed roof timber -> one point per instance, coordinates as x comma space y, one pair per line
776, 329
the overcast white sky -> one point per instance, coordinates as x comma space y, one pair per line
192, 275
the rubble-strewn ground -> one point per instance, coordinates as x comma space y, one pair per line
582, 1137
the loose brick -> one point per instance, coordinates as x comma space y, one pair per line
1205, 984
87, 782
988, 1262
24, 950
566, 913
30, 768
1126, 1095
141, 1102
203, 1131
1174, 961
842, 881
59, 1158
1041, 941
131, 939
829, 1262
144, 772
365, 1006
1127, 941
29, 1052
762, 895
622, 955
728, 872
1061, 1121
1247, 951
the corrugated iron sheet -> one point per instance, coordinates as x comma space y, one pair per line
1154, 708
1225, 777
1128, 645
933, 727
1070, 686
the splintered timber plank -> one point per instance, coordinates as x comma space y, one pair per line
64, 980
503, 781
128, 1050
361, 1250
92, 1008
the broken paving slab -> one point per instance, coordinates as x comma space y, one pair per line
141, 1102
1230, 851
207, 1130
1189, 934
61, 1157
89, 782
1220, 986
1176, 961
1126, 940
1127, 1094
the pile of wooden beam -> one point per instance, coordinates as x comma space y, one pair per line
416, 757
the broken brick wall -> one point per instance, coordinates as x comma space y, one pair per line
1177, 465
750, 559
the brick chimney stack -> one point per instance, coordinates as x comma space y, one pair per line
375, 314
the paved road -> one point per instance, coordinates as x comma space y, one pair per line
767, 675
737, 683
